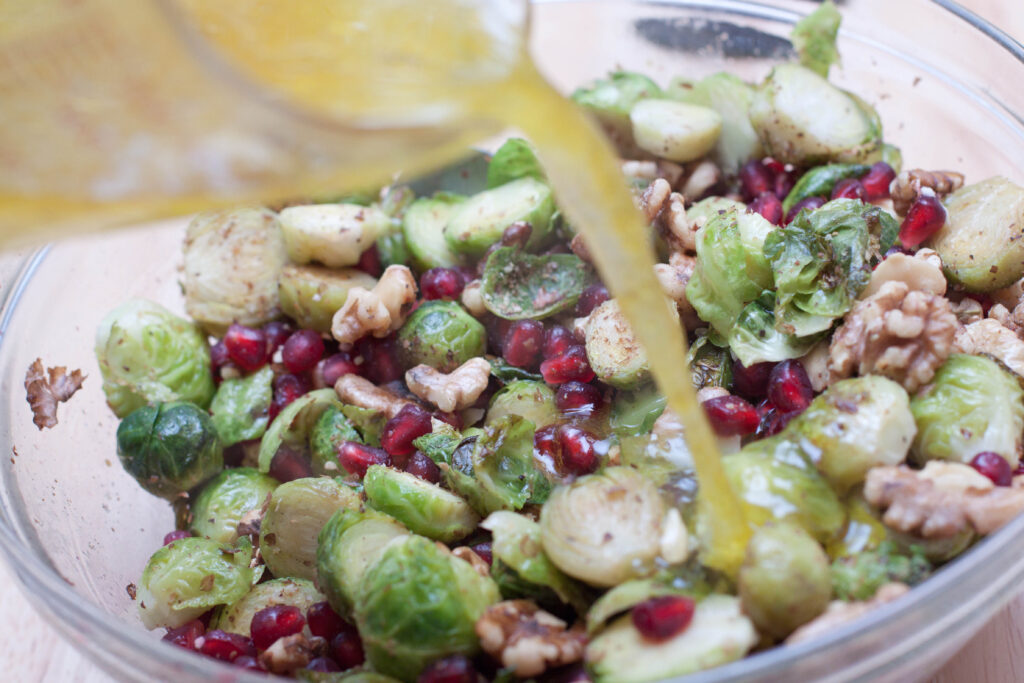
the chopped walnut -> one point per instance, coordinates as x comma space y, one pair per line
902, 334
907, 185
815, 363
250, 522
291, 653
708, 393
1009, 296
673, 277
379, 311
650, 171
968, 311
701, 179
472, 299
459, 389
528, 640
666, 209
480, 566
1011, 320
44, 389
840, 613
922, 272
990, 337
358, 391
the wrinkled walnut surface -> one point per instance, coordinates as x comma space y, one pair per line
990, 337
379, 311
44, 389
359, 391
907, 185
456, 390
527, 639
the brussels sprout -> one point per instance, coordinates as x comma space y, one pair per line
755, 338
614, 353
972, 405
803, 119
149, 355
369, 423
423, 227
864, 531
980, 243
819, 181
728, 95
240, 407
855, 425
297, 511
480, 221
219, 507
858, 577
348, 544
516, 285
311, 295
169, 448
718, 633
440, 334
784, 581
335, 235
710, 365
604, 528
417, 604
676, 131
186, 578
634, 412
532, 400
392, 250
293, 425
626, 596
237, 617
515, 159
935, 550
331, 430
814, 38
232, 262
424, 508
709, 207
611, 102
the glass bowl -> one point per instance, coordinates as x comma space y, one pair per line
76, 530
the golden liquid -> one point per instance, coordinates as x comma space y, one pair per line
412, 88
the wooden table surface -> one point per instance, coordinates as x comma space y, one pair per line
30, 650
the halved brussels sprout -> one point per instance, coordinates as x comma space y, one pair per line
297, 512
293, 425
814, 38
331, 429
237, 617
515, 159
149, 355
311, 295
626, 596
240, 407
219, 507
186, 578
614, 353
859, 576
611, 101
425, 508
517, 285
480, 221
532, 400
709, 207
441, 334
335, 235
392, 250
423, 227
863, 533
169, 448
730, 96
672, 130
418, 603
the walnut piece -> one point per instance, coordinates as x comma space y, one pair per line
359, 391
650, 171
666, 210
673, 277
902, 334
459, 389
44, 389
815, 362
379, 311
528, 640
840, 613
990, 337
968, 311
291, 653
1009, 296
907, 185
701, 179
922, 271
480, 566
1013, 320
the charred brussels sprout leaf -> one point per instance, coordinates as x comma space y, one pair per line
331, 430
425, 508
441, 334
219, 507
814, 38
293, 425
169, 448
858, 577
756, 339
533, 400
517, 285
819, 181
506, 373
710, 365
504, 468
149, 355
237, 617
240, 406
515, 159
369, 423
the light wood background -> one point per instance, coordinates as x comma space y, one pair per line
30, 650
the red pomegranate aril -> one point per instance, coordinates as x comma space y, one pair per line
810, 203
356, 457
769, 206
246, 347
756, 178
578, 399
592, 297
985, 300
454, 669
336, 366
517, 234
784, 183
176, 535
288, 465
369, 262
219, 356
249, 663
421, 466
789, 387
659, 619
323, 621
454, 419
731, 416
849, 188
497, 330
410, 423
773, 422
485, 550
277, 333
224, 646
322, 664
185, 635
993, 466
274, 622
557, 340
288, 387
924, 218
577, 450
751, 382
571, 365
380, 360
302, 351
441, 283
545, 441
876, 181
347, 649
524, 343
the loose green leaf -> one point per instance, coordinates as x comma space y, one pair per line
517, 285
239, 408
515, 159
369, 423
332, 429
392, 250
505, 372
814, 38
292, 426
755, 338
819, 181
634, 412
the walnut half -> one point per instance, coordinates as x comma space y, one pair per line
459, 389
44, 389
527, 639
379, 311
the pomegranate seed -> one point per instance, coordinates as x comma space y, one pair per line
789, 387
334, 367
454, 419
993, 466
484, 550
249, 663
985, 300
274, 622
571, 365
659, 619
849, 188
784, 183
751, 382
557, 340
545, 441
277, 333
410, 423
380, 360
773, 422
774, 166
731, 416
924, 218
454, 669
577, 447
756, 178
323, 621
423, 467
369, 262
224, 646
810, 203
347, 648
176, 535
247, 348
356, 457
769, 206
441, 283
287, 388
497, 330
288, 465
302, 351
219, 356
185, 635
578, 399
523, 343
323, 664
876, 182
592, 297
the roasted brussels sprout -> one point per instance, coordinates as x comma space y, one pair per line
424, 508
169, 448
232, 262
240, 407
859, 576
237, 617
517, 285
440, 334
515, 159
423, 227
311, 295
534, 401
728, 95
864, 531
297, 512
335, 235
419, 603
709, 207
331, 430
480, 221
293, 425
614, 353
186, 578
148, 355
972, 405
611, 102
676, 131
634, 412
814, 38
219, 507
784, 581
